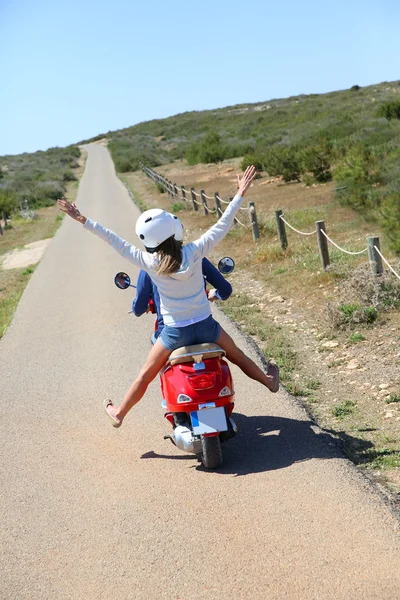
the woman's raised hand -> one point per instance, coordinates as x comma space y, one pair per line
244, 181
71, 210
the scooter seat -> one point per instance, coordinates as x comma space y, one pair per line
195, 353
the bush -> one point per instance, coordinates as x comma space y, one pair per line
8, 203
391, 220
252, 159
317, 161
359, 170
389, 110
283, 161
192, 154
211, 149
160, 188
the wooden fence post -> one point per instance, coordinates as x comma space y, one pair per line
183, 193
175, 190
218, 204
235, 220
195, 207
374, 258
204, 201
171, 189
253, 221
322, 244
281, 229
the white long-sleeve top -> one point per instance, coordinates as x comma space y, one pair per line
182, 296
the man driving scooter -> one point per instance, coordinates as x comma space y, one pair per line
147, 290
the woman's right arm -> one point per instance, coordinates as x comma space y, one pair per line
120, 245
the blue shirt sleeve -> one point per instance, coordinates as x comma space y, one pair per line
214, 278
143, 294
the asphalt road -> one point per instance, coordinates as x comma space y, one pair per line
89, 512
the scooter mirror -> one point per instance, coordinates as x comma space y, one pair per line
226, 265
122, 281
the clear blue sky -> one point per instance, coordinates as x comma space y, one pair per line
73, 69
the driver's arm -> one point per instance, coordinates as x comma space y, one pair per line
218, 281
143, 294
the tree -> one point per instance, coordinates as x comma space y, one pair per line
211, 149
317, 160
283, 161
8, 203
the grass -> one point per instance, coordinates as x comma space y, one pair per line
354, 338
273, 342
14, 281
12, 285
344, 409
137, 197
392, 399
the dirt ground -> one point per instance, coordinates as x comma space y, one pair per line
350, 378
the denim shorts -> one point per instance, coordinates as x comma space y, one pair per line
204, 331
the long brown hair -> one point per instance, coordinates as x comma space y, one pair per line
170, 255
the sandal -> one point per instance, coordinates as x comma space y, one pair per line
273, 371
115, 422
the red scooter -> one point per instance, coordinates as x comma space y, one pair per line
198, 393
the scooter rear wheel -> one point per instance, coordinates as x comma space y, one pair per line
211, 452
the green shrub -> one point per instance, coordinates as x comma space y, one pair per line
252, 159
283, 161
192, 154
177, 206
317, 161
391, 220
160, 188
348, 310
8, 203
358, 172
371, 314
389, 110
349, 314
354, 338
211, 149
344, 409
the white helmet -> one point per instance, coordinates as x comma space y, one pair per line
178, 228
155, 226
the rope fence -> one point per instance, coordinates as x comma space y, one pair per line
186, 195
373, 245
375, 256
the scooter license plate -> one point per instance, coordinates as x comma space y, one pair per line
209, 420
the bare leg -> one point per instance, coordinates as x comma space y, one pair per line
239, 358
155, 361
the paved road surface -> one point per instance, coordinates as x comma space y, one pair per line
90, 513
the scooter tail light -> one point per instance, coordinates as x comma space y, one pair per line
202, 381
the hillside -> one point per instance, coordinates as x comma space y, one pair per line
350, 136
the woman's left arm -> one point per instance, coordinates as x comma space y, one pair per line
217, 232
